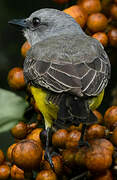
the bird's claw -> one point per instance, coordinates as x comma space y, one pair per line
48, 157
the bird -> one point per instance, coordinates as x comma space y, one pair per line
66, 70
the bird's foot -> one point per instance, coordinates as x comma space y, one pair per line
83, 142
46, 140
48, 157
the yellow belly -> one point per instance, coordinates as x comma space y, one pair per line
48, 109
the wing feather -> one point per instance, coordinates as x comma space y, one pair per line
76, 72
99, 80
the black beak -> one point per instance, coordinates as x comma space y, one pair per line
20, 23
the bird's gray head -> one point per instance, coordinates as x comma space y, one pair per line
45, 23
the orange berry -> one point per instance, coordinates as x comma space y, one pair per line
19, 131
113, 11
104, 143
95, 131
46, 175
101, 37
90, 6
97, 22
68, 157
110, 117
19, 174
58, 165
57, 162
72, 139
78, 14
25, 47
112, 35
35, 135
59, 138
16, 78
98, 156
9, 152
4, 172
27, 154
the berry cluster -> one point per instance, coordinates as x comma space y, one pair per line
25, 158
97, 18
98, 161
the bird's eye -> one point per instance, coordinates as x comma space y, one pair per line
36, 22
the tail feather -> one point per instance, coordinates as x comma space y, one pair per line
75, 110
72, 110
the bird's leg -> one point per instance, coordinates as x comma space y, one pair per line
82, 142
46, 137
47, 155
90, 119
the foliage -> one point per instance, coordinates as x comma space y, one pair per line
12, 108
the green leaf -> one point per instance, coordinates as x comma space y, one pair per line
12, 108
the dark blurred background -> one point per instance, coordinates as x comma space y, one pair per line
12, 40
